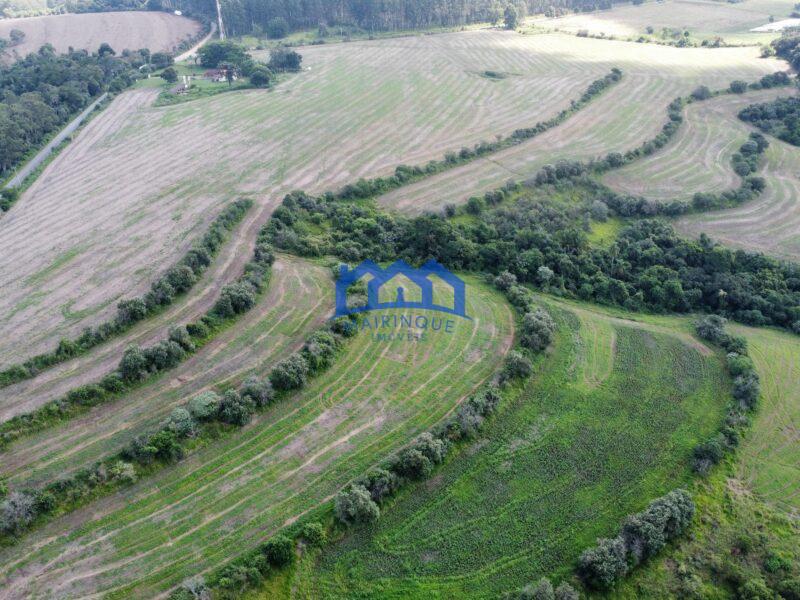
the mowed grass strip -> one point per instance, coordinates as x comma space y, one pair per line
769, 457
299, 299
562, 464
233, 494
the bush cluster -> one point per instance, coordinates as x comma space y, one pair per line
641, 537
177, 280
746, 391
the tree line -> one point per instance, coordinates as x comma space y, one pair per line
780, 118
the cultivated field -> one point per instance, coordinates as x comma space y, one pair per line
698, 158
594, 436
621, 119
769, 223
139, 183
298, 301
702, 18
768, 460
158, 31
237, 491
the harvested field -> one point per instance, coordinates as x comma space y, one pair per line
698, 158
158, 31
630, 113
139, 183
768, 224
769, 458
298, 301
228, 497
559, 466
701, 18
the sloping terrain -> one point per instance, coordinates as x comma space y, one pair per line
158, 31
234, 493
620, 120
131, 192
596, 434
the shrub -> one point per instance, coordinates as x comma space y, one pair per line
566, 592
259, 391
16, 512
517, 366
235, 299
163, 355
537, 330
313, 534
746, 389
291, 373
181, 423
701, 93
235, 409
380, 483
204, 406
602, 566
277, 28
133, 365
180, 335
131, 311
413, 464
354, 505
738, 87
123, 472
755, 589
279, 551
260, 77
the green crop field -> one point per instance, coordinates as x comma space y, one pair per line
234, 493
595, 435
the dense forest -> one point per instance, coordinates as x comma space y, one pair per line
40, 93
385, 15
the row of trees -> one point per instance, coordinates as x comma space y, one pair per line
41, 92
175, 281
387, 15
780, 118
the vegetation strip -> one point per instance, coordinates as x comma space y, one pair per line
177, 281
137, 364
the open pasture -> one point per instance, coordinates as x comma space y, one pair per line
139, 183
703, 19
769, 457
229, 496
630, 113
698, 158
595, 435
298, 300
158, 31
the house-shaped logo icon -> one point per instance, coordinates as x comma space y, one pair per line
380, 284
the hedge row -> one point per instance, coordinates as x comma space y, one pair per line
746, 391
204, 415
404, 174
176, 281
139, 364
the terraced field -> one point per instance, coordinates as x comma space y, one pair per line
297, 302
594, 436
698, 158
139, 183
768, 460
702, 18
229, 496
768, 224
158, 31
621, 119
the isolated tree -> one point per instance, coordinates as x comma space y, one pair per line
169, 74
510, 16
17, 36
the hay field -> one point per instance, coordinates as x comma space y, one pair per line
768, 460
621, 119
698, 158
139, 183
702, 18
229, 496
595, 435
158, 31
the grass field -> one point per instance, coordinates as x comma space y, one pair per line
595, 435
703, 19
158, 174
768, 462
158, 31
698, 158
620, 120
769, 223
234, 493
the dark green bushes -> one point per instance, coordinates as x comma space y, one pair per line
177, 280
641, 537
780, 118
